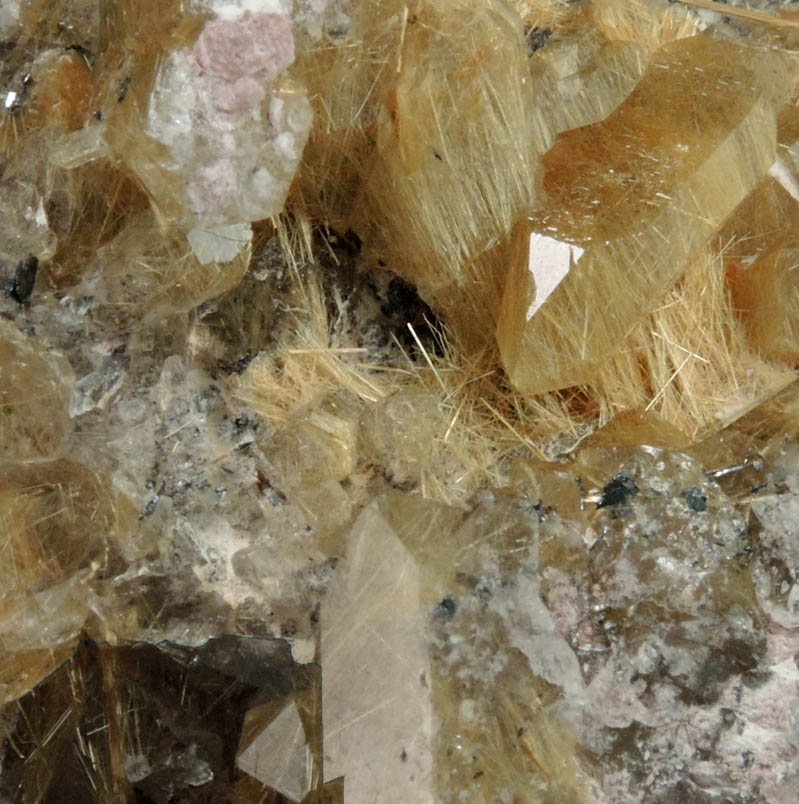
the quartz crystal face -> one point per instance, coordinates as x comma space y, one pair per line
398, 401
34, 395
218, 139
618, 190
766, 297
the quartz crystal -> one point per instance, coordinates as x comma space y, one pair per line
580, 83
315, 451
61, 524
766, 296
759, 256
222, 135
174, 270
34, 394
398, 402
25, 229
451, 205
279, 755
375, 702
618, 188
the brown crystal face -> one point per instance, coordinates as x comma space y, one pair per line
766, 296
639, 192
560, 570
34, 397
607, 181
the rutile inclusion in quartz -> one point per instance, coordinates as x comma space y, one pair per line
397, 401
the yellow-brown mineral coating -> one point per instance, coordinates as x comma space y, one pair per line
640, 192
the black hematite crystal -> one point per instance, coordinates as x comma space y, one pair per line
618, 492
695, 499
24, 280
446, 608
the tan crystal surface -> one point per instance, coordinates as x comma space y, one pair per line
696, 377
347, 81
620, 187
758, 222
315, 450
575, 89
64, 91
760, 262
142, 273
437, 193
20, 670
34, 398
648, 23
60, 523
562, 572
766, 296
402, 429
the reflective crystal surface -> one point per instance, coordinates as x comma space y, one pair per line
398, 402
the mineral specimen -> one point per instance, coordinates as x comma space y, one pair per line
221, 136
618, 188
442, 357
376, 705
34, 394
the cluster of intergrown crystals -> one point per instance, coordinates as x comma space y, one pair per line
449, 344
